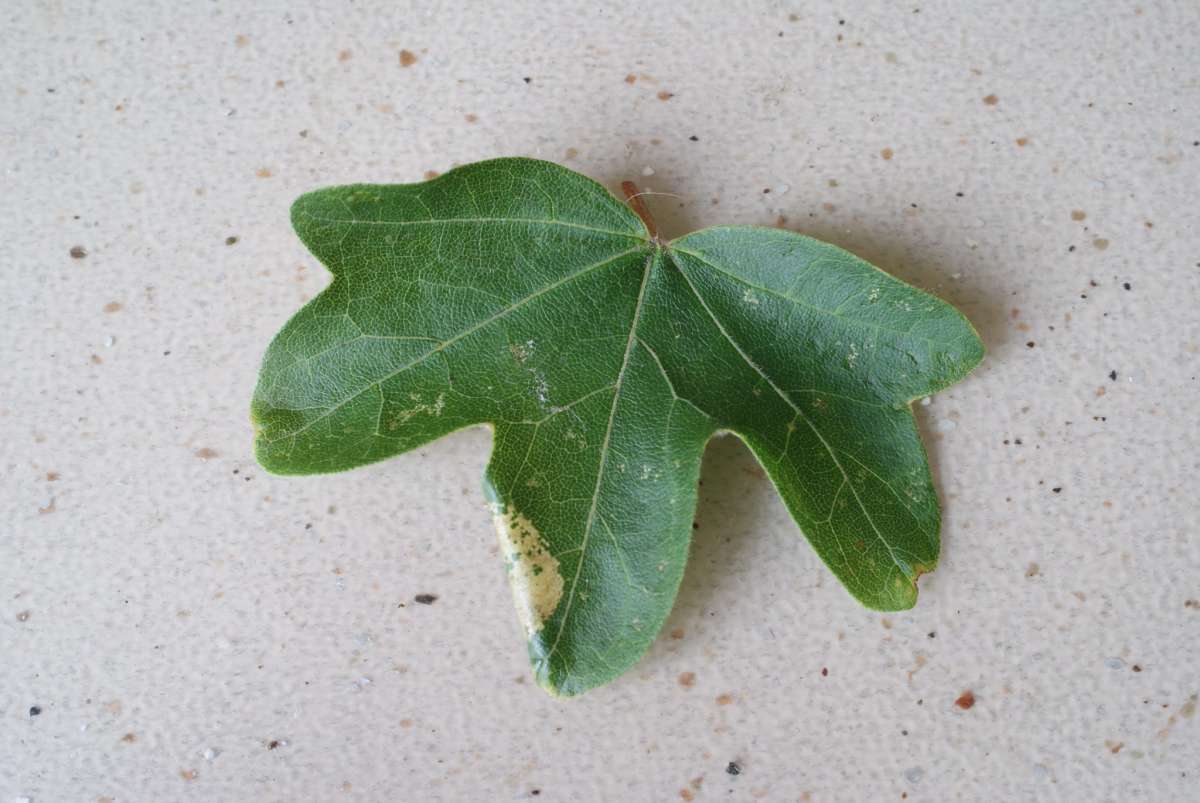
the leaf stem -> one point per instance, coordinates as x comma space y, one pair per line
634, 199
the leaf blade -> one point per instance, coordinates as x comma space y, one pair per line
518, 294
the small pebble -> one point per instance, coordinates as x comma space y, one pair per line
928, 400
914, 774
647, 171
210, 754
110, 341
783, 188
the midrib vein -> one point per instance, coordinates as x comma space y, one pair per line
447, 343
604, 446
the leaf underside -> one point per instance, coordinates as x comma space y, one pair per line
519, 294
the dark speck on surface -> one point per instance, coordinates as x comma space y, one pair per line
425, 599
1127, 286
231, 240
34, 710
527, 80
79, 252
1057, 490
965, 700
733, 768
1112, 375
694, 138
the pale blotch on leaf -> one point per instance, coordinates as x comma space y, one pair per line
537, 584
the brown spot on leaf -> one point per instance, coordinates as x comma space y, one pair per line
966, 700
407, 58
687, 679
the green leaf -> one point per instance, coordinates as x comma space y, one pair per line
519, 294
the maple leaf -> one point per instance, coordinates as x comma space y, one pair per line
519, 294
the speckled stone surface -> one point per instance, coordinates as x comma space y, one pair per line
175, 625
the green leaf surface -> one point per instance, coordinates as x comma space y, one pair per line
519, 294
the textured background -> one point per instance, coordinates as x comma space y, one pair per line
192, 629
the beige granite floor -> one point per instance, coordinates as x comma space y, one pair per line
176, 625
